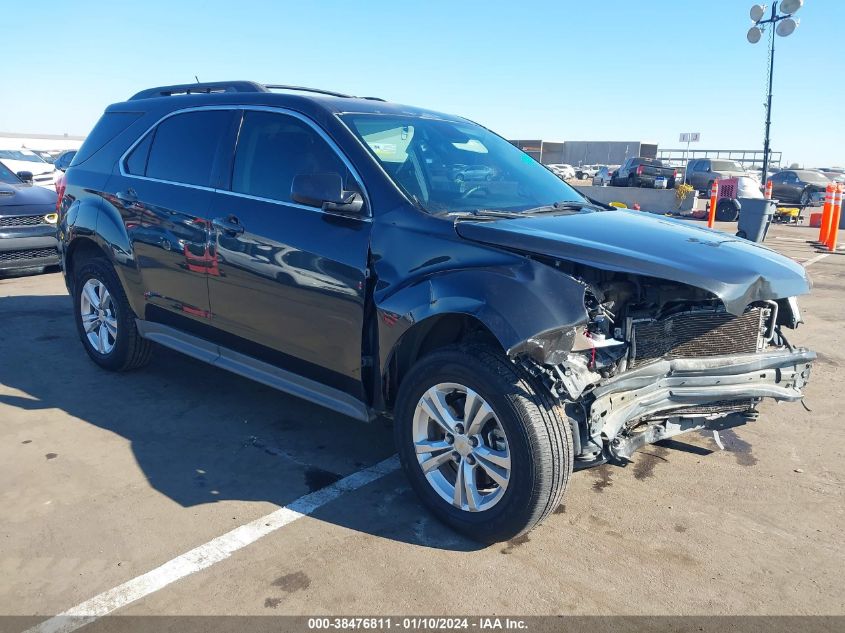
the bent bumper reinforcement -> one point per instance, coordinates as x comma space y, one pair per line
664, 385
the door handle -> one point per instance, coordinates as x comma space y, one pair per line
130, 195
229, 225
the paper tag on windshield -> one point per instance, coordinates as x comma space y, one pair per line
384, 148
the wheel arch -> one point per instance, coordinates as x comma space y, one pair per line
505, 306
95, 228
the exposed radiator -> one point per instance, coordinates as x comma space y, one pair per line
696, 334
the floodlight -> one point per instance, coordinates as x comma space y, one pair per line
791, 6
787, 27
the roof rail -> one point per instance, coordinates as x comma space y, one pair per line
230, 86
304, 89
199, 88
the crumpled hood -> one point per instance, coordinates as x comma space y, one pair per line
735, 270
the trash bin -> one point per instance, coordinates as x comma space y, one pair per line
755, 216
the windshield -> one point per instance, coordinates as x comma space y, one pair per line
8, 176
452, 166
20, 154
812, 176
726, 165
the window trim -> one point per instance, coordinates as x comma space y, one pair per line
233, 147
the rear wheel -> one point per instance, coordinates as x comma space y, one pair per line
481, 445
104, 320
632, 181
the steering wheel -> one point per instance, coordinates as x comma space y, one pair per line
466, 194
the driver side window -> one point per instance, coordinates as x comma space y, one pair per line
273, 148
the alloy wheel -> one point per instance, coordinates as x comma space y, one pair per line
99, 319
461, 447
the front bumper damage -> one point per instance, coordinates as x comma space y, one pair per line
664, 386
668, 397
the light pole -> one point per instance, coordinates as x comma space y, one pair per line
784, 25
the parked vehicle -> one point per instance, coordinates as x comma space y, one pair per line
701, 172
62, 161
562, 170
585, 172
803, 186
836, 174
27, 224
644, 172
511, 328
24, 160
61, 164
602, 177
462, 173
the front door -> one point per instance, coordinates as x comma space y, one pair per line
291, 279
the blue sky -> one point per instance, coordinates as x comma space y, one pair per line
562, 70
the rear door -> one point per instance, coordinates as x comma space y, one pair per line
780, 186
164, 193
291, 281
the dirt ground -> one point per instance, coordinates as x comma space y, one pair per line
108, 476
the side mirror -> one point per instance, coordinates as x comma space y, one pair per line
325, 191
26, 176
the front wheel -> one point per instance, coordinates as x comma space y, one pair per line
482, 446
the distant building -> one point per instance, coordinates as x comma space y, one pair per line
43, 142
546, 152
586, 152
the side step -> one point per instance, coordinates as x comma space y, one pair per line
254, 369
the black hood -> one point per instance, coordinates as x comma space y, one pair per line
19, 195
735, 270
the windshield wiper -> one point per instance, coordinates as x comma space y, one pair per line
565, 205
487, 213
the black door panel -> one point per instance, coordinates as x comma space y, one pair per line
290, 279
164, 194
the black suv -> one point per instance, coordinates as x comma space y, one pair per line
327, 246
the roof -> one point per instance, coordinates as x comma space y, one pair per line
251, 93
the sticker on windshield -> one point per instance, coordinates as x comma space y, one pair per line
384, 148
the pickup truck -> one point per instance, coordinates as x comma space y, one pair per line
644, 172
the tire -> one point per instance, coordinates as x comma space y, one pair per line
537, 443
125, 350
632, 181
727, 210
805, 198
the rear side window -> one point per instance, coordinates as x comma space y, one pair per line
136, 164
110, 125
273, 148
184, 147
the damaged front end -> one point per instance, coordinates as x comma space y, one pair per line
656, 358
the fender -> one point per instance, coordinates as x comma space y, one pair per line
514, 302
98, 221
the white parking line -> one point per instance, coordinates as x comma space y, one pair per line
204, 556
812, 261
